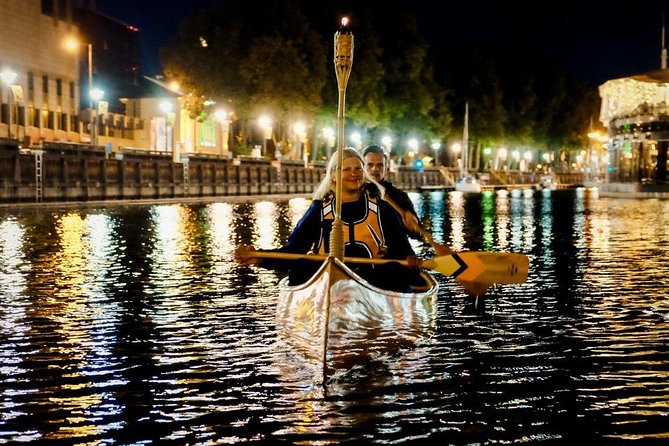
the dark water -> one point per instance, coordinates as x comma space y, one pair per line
131, 325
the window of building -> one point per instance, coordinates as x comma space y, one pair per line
72, 90
63, 121
62, 9
45, 118
208, 134
31, 116
45, 84
59, 87
31, 86
48, 7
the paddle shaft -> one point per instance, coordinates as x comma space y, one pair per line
423, 233
482, 267
321, 257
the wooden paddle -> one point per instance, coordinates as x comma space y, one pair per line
480, 268
475, 287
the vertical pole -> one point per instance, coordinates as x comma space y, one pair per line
465, 143
94, 126
94, 119
343, 63
90, 74
10, 103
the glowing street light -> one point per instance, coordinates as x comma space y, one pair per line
166, 107
266, 125
502, 155
436, 145
223, 117
356, 139
329, 135
387, 142
9, 78
486, 153
300, 133
72, 44
96, 96
456, 148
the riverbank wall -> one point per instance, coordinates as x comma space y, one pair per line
64, 172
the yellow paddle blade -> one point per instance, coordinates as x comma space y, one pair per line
482, 267
449, 265
498, 267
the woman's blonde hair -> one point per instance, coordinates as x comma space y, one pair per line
328, 183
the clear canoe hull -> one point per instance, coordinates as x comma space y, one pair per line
339, 318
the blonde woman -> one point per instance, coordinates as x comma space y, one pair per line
372, 228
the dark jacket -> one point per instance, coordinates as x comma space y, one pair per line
402, 200
307, 234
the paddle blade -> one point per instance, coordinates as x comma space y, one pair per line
494, 267
482, 268
450, 265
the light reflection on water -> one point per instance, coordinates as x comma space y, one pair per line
131, 324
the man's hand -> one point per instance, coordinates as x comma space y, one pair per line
243, 255
413, 262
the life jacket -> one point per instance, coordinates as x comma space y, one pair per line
363, 237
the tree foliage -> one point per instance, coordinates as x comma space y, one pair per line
277, 59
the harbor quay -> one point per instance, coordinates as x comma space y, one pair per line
70, 172
66, 172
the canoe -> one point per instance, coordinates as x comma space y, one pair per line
337, 318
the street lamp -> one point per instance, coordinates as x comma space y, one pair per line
502, 155
166, 108
456, 148
515, 154
73, 44
224, 118
436, 145
356, 139
487, 152
9, 77
266, 125
329, 134
387, 142
300, 131
96, 95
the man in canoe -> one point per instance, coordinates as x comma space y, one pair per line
376, 165
372, 229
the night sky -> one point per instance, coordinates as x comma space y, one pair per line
592, 42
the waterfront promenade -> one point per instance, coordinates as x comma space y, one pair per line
67, 172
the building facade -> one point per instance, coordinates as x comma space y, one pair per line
635, 110
44, 86
40, 88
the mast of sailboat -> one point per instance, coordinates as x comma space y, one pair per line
343, 60
663, 57
465, 142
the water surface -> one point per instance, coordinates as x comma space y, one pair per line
128, 324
